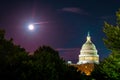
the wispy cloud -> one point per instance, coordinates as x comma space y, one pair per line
41, 22
74, 10
106, 17
66, 49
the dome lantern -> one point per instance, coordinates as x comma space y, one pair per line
88, 37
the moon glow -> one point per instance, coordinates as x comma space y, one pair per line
31, 27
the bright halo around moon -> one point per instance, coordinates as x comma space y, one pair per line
31, 27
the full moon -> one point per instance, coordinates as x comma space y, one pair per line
31, 27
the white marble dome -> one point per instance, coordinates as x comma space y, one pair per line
88, 52
88, 47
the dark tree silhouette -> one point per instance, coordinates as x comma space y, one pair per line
11, 57
109, 68
112, 40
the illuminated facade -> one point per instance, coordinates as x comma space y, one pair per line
88, 52
87, 58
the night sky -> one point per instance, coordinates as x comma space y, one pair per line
62, 24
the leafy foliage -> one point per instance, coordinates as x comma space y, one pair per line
48, 63
44, 64
109, 69
11, 57
51, 67
112, 40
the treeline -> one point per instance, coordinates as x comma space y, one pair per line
44, 64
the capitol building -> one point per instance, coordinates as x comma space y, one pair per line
88, 57
88, 52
